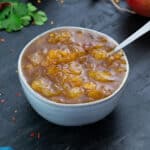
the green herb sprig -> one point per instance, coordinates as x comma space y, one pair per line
16, 15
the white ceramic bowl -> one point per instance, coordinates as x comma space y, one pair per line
70, 114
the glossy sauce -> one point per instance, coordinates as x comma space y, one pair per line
71, 66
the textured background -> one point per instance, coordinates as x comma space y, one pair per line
127, 128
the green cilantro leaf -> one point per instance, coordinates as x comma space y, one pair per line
31, 8
12, 23
4, 13
26, 20
39, 17
18, 14
20, 9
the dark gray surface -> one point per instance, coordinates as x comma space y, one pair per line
127, 128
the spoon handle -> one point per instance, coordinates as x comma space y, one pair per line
133, 37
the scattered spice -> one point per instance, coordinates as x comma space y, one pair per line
38, 135
18, 94
15, 111
32, 134
60, 1
52, 22
2, 40
39, 1
13, 119
35, 135
2, 101
117, 1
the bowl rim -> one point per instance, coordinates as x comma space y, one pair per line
48, 101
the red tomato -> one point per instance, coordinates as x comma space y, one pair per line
142, 7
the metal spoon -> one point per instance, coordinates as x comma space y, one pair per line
144, 29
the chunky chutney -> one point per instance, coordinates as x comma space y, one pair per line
72, 66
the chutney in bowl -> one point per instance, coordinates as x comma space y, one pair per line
69, 67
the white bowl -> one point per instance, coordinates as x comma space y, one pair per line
70, 114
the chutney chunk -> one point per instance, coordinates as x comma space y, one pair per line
103, 76
36, 58
59, 37
95, 94
75, 92
89, 86
43, 86
73, 66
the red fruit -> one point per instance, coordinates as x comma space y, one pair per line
142, 7
3, 5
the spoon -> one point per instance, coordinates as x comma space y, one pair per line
144, 29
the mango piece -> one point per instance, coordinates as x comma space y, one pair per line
41, 85
75, 68
89, 85
59, 37
36, 58
53, 70
102, 76
75, 81
29, 67
59, 56
75, 92
120, 70
99, 55
95, 94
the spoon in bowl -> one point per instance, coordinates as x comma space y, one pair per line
144, 29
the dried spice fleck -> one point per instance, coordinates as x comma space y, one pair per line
39, 1
18, 94
52, 22
35, 135
15, 111
60, 1
13, 119
117, 1
32, 134
2, 40
2, 101
38, 135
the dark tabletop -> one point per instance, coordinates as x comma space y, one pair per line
126, 128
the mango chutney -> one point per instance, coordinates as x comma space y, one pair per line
72, 66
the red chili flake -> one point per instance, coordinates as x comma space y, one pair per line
18, 94
2, 101
2, 40
13, 119
32, 134
38, 135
